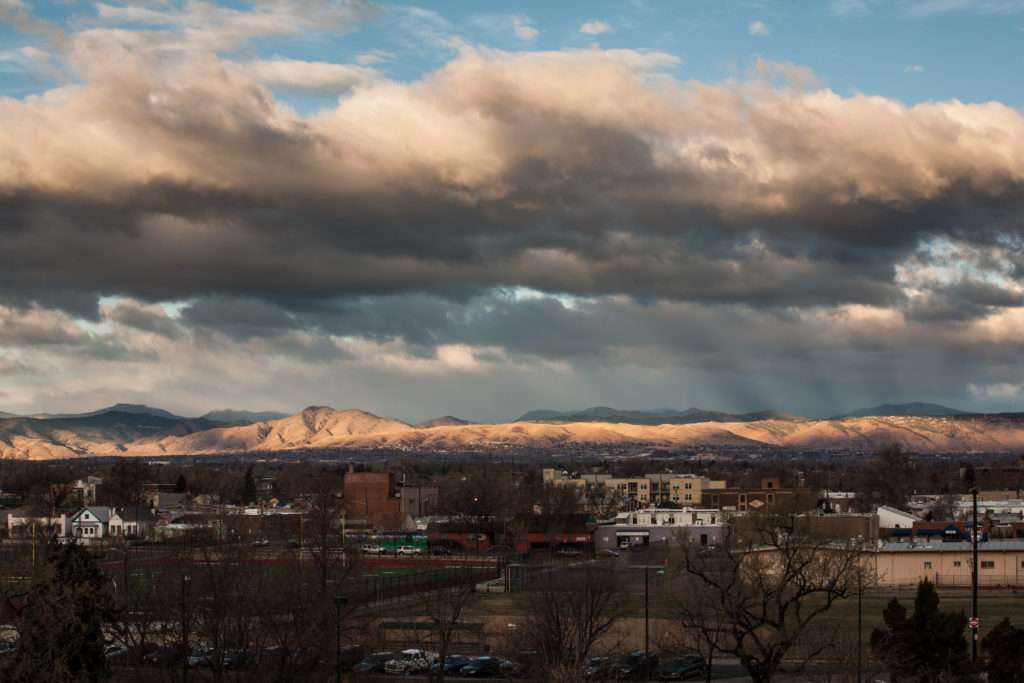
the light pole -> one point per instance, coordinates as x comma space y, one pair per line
339, 601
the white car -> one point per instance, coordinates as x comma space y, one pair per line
409, 662
408, 550
374, 550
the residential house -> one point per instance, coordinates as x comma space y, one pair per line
28, 523
92, 523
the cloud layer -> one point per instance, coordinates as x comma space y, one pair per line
510, 214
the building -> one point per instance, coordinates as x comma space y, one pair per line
26, 523
660, 526
370, 492
92, 523
419, 500
1000, 563
656, 488
744, 500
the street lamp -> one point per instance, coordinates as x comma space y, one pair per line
339, 602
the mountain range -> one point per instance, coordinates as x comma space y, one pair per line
131, 431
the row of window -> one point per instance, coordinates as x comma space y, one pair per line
985, 564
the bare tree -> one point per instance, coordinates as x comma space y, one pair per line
321, 536
443, 608
567, 612
760, 591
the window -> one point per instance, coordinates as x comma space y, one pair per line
689, 485
689, 496
956, 563
988, 564
927, 565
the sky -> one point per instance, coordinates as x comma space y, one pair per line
482, 208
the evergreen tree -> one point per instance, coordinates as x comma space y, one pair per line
1004, 646
60, 622
181, 486
249, 492
929, 645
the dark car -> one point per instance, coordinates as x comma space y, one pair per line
167, 655
349, 656
606, 552
452, 663
439, 550
374, 664
596, 668
519, 666
683, 666
635, 665
481, 667
568, 551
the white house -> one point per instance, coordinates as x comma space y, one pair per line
92, 522
22, 523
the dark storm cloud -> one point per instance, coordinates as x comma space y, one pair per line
750, 230
147, 319
507, 177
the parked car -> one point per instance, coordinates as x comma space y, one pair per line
521, 665
128, 656
606, 552
167, 656
635, 665
204, 656
568, 551
261, 543
349, 656
374, 664
439, 550
408, 550
240, 658
115, 652
408, 662
681, 667
481, 667
452, 663
596, 668
370, 549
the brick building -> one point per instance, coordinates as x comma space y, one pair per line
370, 492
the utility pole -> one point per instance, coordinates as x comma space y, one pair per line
974, 578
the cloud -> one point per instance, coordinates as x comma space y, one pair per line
375, 57
294, 74
927, 8
37, 327
524, 28
595, 28
144, 318
758, 28
736, 229
913, 68
852, 8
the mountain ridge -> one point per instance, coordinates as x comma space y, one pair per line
140, 434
